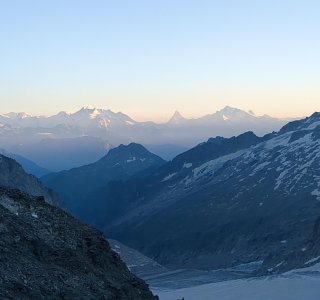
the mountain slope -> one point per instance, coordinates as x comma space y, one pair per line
79, 187
47, 254
12, 175
137, 263
120, 197
229, 209
306, 254
28, 165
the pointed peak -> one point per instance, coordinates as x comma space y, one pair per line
177, 118
177, 114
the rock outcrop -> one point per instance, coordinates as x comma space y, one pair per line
47, 254
302, 256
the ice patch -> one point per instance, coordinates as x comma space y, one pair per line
169, 177
131, 159
260, 167
312, 260
187, 165
225, 118
9, 204
314, 125
316, 193
277, 141
213, 165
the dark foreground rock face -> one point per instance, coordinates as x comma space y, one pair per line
47, 254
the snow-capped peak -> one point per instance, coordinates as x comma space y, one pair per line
228, 110
20, 115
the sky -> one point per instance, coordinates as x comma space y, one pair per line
150, 58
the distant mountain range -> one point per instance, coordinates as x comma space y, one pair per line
224, 202
25, 134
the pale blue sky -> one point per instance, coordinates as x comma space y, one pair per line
149, 58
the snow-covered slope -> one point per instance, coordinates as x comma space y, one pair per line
297, 285
231, 207
136, 262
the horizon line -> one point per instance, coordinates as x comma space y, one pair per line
146, 119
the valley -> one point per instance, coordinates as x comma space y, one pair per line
220, 215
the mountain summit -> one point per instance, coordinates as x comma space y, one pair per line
177, 118
80, 187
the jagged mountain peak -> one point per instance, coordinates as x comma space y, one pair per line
177, 118
88, 111
228, 114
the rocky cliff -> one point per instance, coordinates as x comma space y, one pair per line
47, 254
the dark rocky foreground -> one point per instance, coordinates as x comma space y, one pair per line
47, 254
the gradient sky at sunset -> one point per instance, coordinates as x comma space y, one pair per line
150, 58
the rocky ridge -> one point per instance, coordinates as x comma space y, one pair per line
47, 254
12, 175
